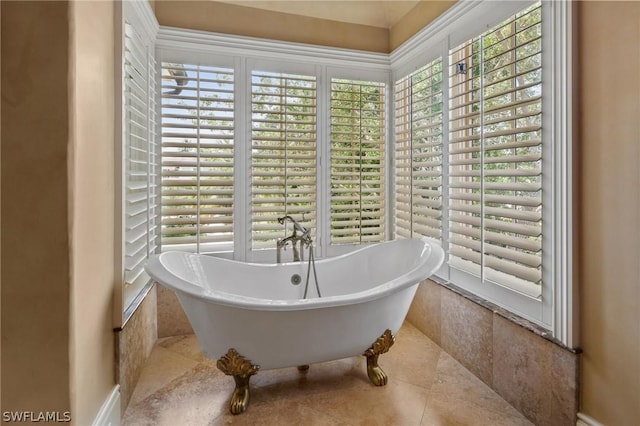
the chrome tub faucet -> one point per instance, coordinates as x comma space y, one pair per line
304, 239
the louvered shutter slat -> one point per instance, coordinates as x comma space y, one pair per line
283, 154
357, 161
197, 156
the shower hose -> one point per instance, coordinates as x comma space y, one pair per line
312, 261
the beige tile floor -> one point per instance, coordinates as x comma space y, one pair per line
426, 386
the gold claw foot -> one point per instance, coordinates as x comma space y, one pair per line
377, 376
240, 397
234, 364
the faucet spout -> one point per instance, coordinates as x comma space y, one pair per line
296, 225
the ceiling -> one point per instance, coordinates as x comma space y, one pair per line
382, 14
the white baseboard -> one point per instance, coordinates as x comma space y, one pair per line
109, 414
584, 420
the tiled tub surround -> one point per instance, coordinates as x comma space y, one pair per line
513, 357
134, 344
178, 386
172, 321
535, 375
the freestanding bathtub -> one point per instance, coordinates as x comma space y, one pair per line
246, 313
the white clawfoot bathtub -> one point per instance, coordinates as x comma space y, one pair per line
258, 311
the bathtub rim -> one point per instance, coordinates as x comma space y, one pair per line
432, 261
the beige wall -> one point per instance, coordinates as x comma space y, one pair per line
417, 18
232, 19
35, 199
57, 221
91, 160
239, 20
610, 184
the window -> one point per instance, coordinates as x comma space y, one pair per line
283, 154
472, 164
418, 147
137, 193
495, 154
246, 140
357, 161
197, 157
140, 155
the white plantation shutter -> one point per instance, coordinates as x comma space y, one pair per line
495, 153
418, 147
357, 161
197, 157
403, 166
139, 157
283, 154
